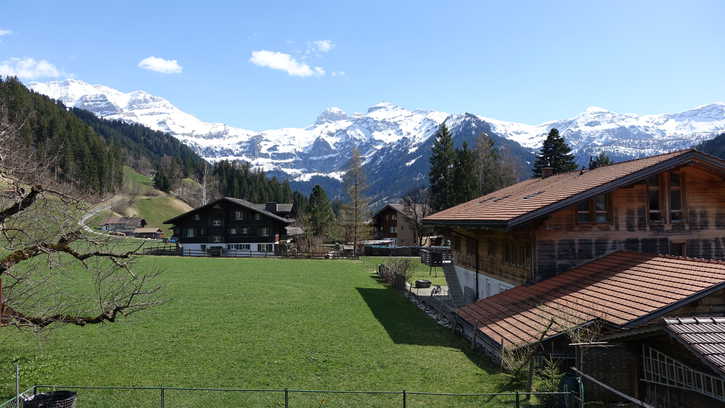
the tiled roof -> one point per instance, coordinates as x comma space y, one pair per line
419, 208
147, 230
705, 336
122, 220
535, 197
260, 208
624, 289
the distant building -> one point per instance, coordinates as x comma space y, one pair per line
394, 223
232, 226
148, 232
125, 225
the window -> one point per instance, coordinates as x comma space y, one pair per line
216, 222
245, 230
216, 238
257, 216
516, 253
594, 210
238, 215
677, 249
196, 217
392, 229
676, 198
232, 231
263, 232
190, 232
653, 199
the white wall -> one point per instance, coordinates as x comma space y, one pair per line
487, 286
253, 247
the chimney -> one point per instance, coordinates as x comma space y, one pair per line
547, 172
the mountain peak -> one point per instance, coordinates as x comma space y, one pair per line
383, 106
331, 114
595, 109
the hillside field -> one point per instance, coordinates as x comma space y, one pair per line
257, 323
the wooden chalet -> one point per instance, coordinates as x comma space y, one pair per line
393, 222
668, 204
230, 226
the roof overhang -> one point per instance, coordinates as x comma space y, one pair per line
706, 161
238, 202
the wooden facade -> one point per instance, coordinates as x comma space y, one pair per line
392, 223
680, 211
232, 225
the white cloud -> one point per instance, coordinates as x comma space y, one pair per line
28, 68
337, 73
5, 32
323, 45
284, 62
161, 65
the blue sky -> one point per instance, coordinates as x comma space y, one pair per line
519, 61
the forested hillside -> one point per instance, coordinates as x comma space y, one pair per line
714, 146
73, 152
144, 147
240, 180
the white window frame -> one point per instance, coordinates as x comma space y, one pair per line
189, 233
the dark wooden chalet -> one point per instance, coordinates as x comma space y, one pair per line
229, 226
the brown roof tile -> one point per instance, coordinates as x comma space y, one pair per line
705, 336
509, 205
623, 289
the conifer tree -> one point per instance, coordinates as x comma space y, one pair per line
319, 214
599, 161
464, 174
554, 153
442, 161
492, 172
356, 210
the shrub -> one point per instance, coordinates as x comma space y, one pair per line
396, 273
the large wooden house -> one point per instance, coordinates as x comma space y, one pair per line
670, 204
232, 226
394, 223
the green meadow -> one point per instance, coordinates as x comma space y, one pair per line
260, 324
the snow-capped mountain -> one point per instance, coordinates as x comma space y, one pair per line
395, 141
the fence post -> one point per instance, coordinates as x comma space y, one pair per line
286, 398
17, 385
405, 398
163, 397
517, 400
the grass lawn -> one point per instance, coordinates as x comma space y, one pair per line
156, 210
258, 323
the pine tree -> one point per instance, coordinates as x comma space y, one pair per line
442, 161
356, 210
554, 153
319, 215
599, 161
464, 174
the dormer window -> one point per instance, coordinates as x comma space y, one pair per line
593, 211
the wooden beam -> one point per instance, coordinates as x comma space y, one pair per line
613, 390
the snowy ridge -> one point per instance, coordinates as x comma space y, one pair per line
393, 140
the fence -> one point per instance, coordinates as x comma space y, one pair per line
173, 250
172, 397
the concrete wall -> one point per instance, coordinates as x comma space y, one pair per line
487, 285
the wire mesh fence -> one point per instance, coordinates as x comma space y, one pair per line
179, 397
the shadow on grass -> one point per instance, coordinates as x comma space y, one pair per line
406, 324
